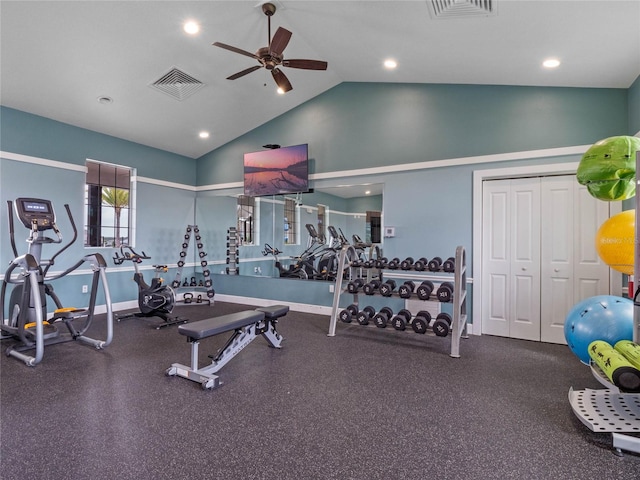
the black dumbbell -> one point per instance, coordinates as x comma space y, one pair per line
449, 265
442, 325
365, 315
356, 263
383, 317
354, 285
387, 288
348, 313
400, 321
406, 289
434, 264
445, 292
381, 262
407, 263
420, 265
424, 290
420, 323
394, 264
371, 287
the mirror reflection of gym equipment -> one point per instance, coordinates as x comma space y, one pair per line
27, 321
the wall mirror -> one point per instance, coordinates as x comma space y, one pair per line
279, 223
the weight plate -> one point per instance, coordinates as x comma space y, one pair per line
419, 325
441, 328
449, 265
345, 316
399, 323
353, 309
446, 317
380, 320
404, 291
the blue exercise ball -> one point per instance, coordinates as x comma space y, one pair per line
603, 317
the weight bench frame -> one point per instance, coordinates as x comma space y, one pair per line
246, 326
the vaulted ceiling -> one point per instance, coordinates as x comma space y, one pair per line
63, 59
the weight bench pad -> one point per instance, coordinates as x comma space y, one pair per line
225, 323
273, 311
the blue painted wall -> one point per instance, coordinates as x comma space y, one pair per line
45, 138
351, 127
634, 107
363, 125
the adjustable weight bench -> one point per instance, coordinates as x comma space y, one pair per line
246, 326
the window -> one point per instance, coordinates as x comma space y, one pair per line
290, 222
107, 205
246, 220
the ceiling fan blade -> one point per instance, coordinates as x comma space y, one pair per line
236, 50
279, 41
281, 80
244, 72
306, 64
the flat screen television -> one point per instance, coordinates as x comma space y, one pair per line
277, 171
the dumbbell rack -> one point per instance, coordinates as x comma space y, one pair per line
207, 284
232, 252
459, 320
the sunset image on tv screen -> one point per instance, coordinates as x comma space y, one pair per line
277, 171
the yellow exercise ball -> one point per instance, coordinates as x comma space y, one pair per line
615, 241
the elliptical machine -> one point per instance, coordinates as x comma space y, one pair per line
26, 320
155, 300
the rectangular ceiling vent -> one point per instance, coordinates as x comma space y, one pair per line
462, 8
177, 84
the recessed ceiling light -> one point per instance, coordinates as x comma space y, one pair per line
368, 192
203, 134
105, 100
191, 27
551, 63
280, 91
390, 64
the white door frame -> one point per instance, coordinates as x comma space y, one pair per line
615, 283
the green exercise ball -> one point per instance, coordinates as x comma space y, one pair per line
608, 168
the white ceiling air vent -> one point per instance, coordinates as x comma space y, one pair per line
177, 84
462, 8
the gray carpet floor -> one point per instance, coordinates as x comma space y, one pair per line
365, 404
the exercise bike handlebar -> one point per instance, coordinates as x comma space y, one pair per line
132, 255
269, 250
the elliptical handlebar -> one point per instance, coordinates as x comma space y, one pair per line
71, 242
11, 229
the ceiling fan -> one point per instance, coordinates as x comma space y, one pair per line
271, 58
